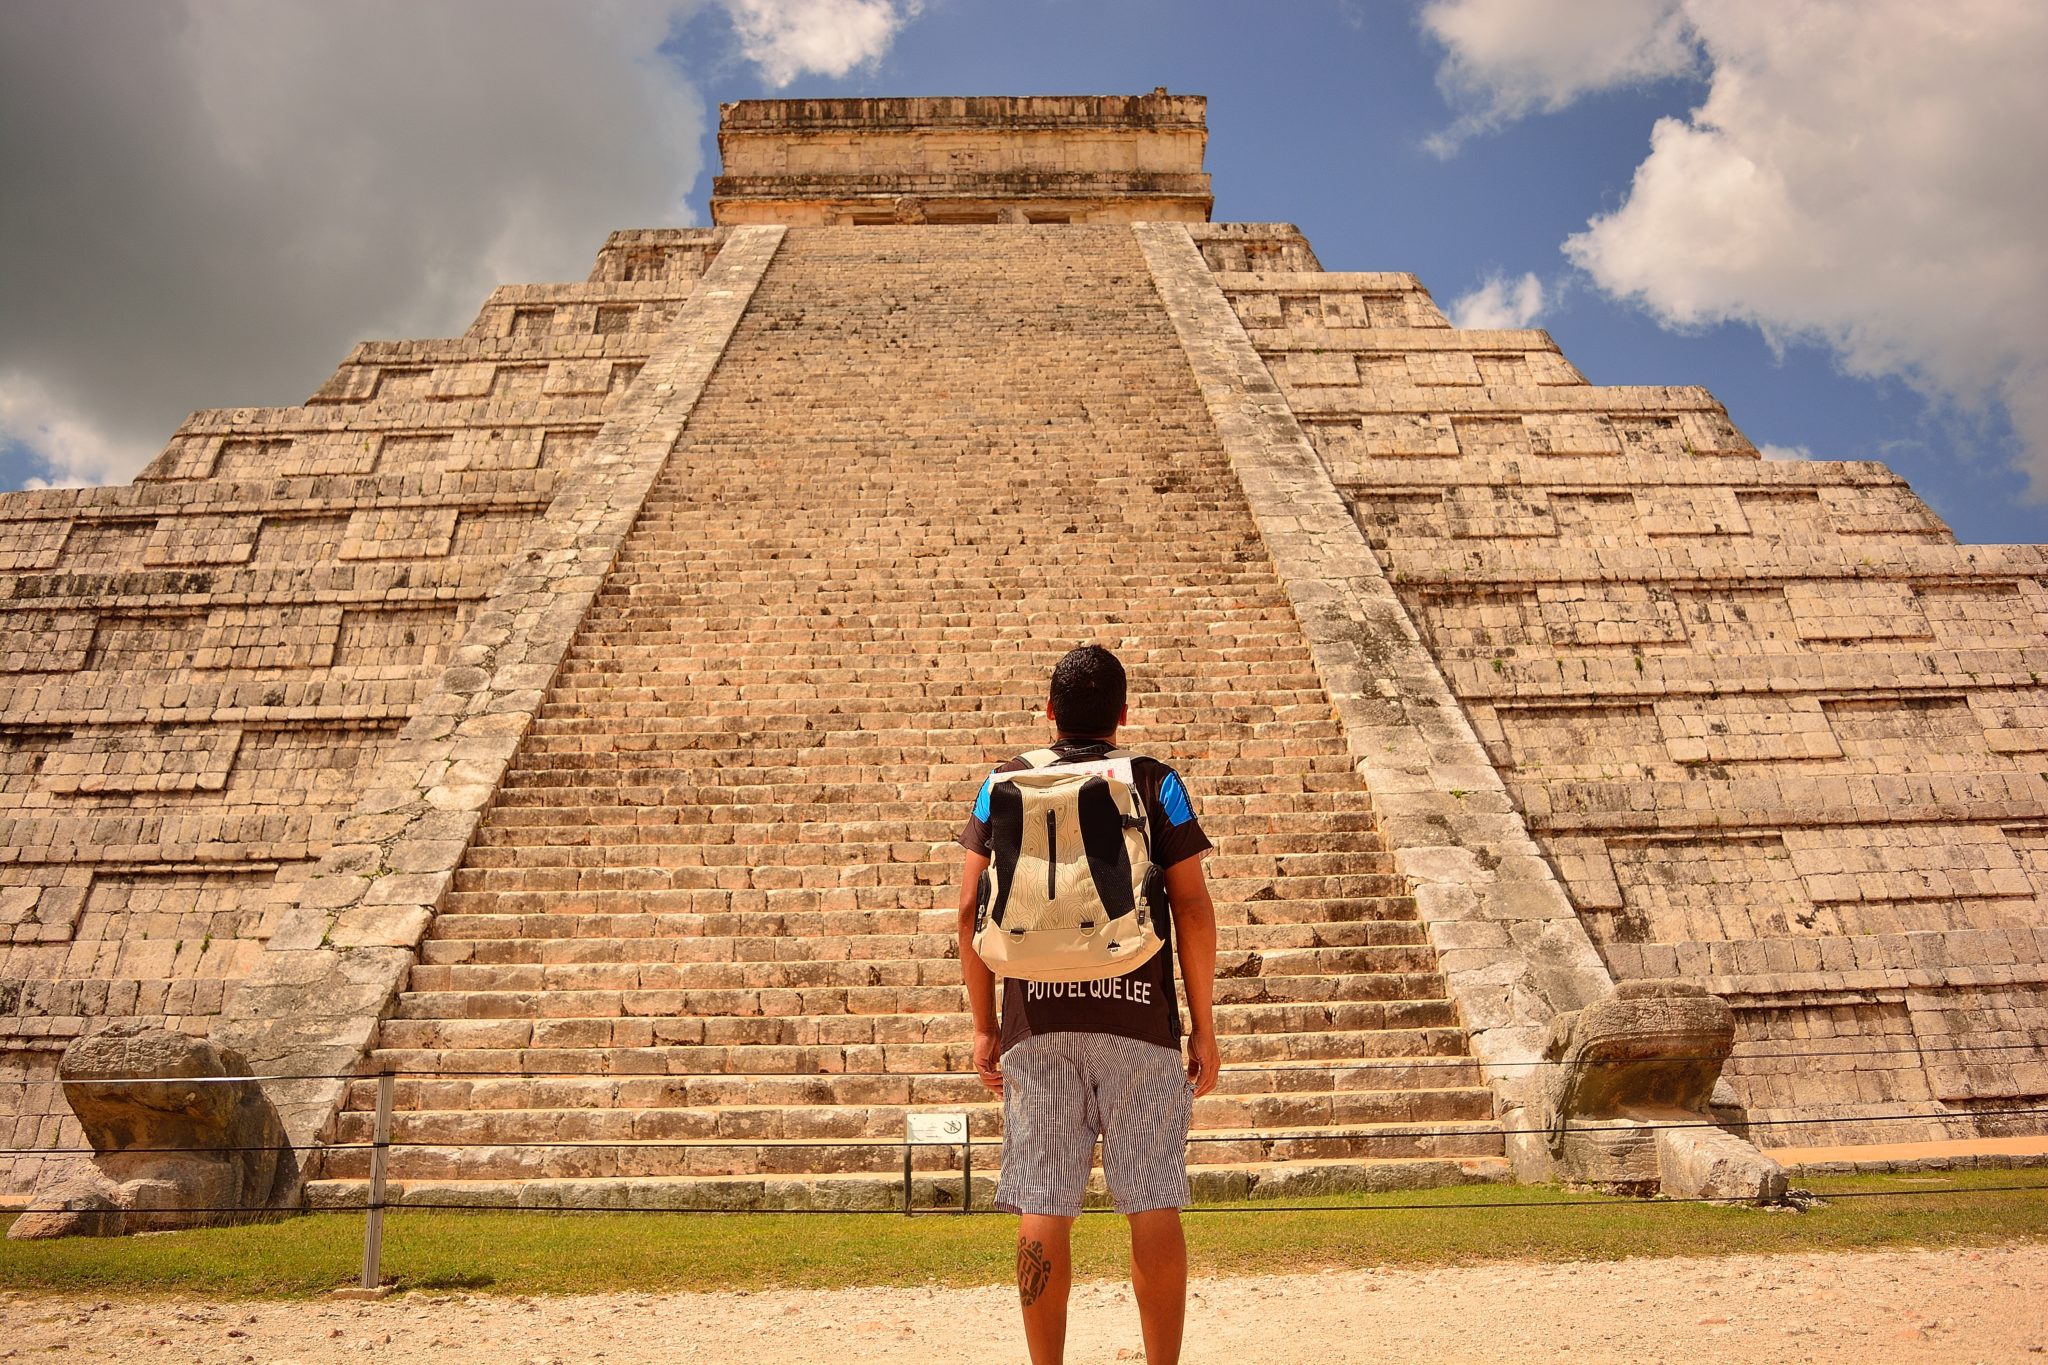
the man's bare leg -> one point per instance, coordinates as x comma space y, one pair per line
1159, 1277
1045, 1272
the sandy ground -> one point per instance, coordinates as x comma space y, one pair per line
1987, 1305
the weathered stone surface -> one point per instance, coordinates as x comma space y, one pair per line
194, 1149
1711, 1163
1631, 1081
1651, 1044
1045, 159
1775, 730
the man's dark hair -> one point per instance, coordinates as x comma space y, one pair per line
1088, 691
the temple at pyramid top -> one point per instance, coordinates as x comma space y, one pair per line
1036, 159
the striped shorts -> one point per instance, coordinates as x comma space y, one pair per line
1063, 1090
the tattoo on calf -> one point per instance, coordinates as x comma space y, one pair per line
1034, 1270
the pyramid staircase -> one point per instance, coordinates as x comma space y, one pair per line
702, 952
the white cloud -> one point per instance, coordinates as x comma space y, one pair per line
1499, 303
209, 201
76, 451
1862, 173
789, 38
1771, 452
1507, 58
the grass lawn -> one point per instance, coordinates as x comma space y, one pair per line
537, 1253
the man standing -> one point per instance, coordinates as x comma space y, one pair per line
1078, 1060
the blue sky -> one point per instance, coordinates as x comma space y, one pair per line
1320, 114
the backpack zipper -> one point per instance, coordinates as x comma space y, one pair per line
1052, 856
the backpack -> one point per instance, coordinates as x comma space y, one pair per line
1070, 893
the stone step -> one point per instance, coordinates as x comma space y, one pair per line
627, 1032
585, 700
985, 725
782, 964
939, 782
1308, 873
467, 962
1391, 1059
1211, 1182
1363, 850
1264, 1112
762, 1156
881, 1044
660, 1034
658, 936
1288, 802
477, 916
591, 693
932, 996
1284, 847
737, 876
1304, 831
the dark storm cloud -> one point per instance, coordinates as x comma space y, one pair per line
206, 202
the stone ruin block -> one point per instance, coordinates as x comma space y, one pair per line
1682, 511
1654, 626
1440, 369
1631, 1094
1571, 433
33, 544
1860, 610
203, 539
571, 377
48, 641
190, 1151
268, 637
1303, 368
399, 533
92, 763
1498, 513
42, 904
1493, 438
1633, 614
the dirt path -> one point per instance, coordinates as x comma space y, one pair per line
1988, 1305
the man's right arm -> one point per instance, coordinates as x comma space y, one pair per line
979, 980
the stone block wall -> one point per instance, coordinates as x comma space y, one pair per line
951, 160
199, 671
1776, 731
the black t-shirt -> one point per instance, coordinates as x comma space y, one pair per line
1141, 1003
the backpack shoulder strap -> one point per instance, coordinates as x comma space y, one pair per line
1039, 758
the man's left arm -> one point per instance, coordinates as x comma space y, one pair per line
1194, 937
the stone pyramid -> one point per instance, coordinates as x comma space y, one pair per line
574, 717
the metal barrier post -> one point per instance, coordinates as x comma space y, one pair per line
373, 1230
938, 1130
967, 1174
